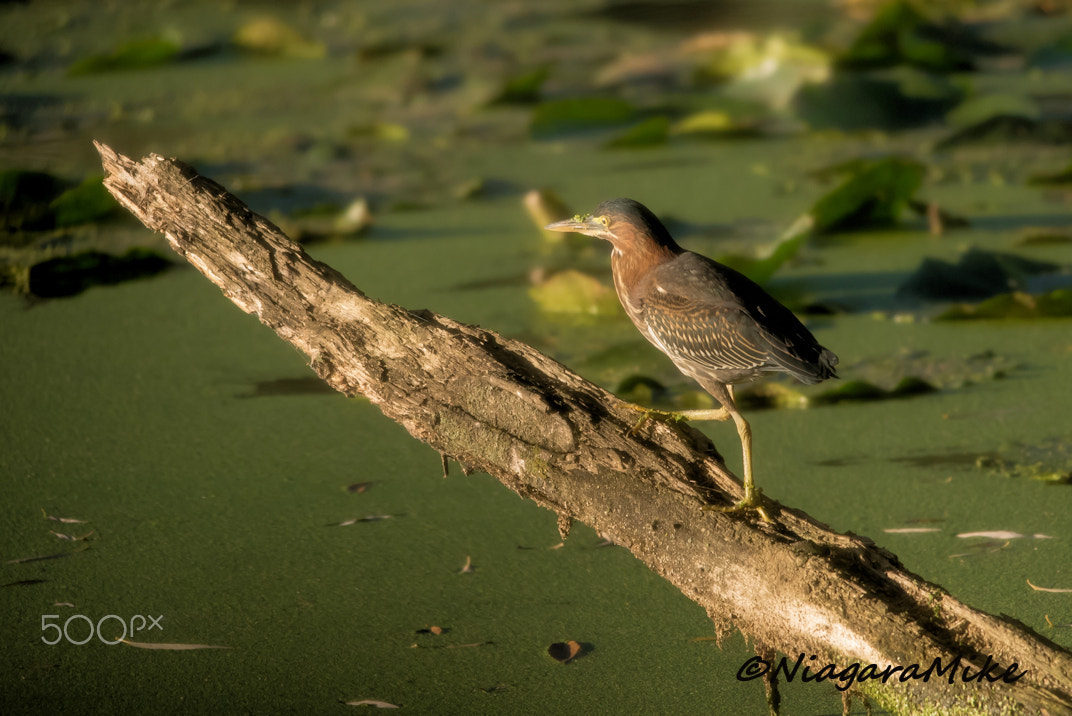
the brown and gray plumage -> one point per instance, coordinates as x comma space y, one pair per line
717, 326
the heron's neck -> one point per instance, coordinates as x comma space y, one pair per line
630, 264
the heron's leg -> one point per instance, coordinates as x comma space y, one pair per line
752, 495
674, 416
710, 414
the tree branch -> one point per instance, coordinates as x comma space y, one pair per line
500, 406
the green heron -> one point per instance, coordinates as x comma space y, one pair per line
716, 325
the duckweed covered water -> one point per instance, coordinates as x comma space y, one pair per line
151, 411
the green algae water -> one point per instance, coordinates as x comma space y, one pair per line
165, 456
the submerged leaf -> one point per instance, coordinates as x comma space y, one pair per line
373, 703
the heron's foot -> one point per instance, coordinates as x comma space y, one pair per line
663, 416
753, 500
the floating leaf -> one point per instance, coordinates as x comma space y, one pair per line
771, 395
897, 99
573, 292
373, 703
564, 651
133, 55
89, 201
354, 219
1006, 129
1063, 176
1054, 304
899, 34
544, 207
649, 133
851, 390
270, 36
874, 193
358, 487
981, 108
523, 88
1032, 236
761, 268
861, 390
386, 131
579, 113
468, 567
977, 274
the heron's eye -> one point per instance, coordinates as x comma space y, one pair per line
605, 221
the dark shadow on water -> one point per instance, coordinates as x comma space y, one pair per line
289, 386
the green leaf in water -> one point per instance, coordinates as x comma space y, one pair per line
874, 193
978, 274
898, 35
85, 203
761, 268
863, 391
1054, 304
132, 55
523, 88
273, 37
578, 113
651, 132
981, 108
573, 292
1064, 176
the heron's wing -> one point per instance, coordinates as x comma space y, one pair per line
709, 314
718, 337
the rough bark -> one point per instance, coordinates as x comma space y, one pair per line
500, 406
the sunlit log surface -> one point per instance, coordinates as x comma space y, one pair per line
500, 406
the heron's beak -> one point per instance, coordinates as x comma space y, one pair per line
588, 225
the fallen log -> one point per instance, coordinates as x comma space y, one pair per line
857, 617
